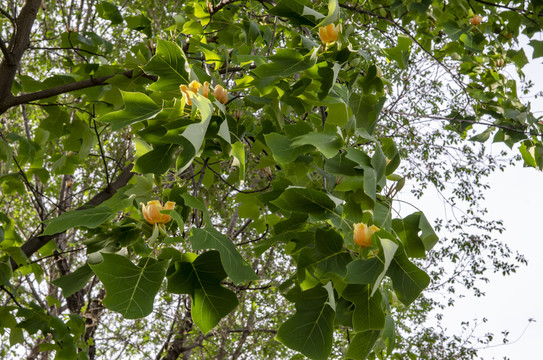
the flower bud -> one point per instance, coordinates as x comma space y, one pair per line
362, 234
221, 94
329, 33
476, 20
151, 211
205, 89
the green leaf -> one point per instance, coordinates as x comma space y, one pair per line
333, 13
201, 279
538, 48
238, 151
362, 344
327, 144
518, 57
408, 230
157, 161
194, 134
328, 75
482, 137
282, 149
89, 218
327, 257
368, 312
400, 53
296, 12
364, 271
284, 63
388, 250
130, 289
310, 330
197, 203
338, 114
366, 109
109, 12
528, 152
170, 65
389, 334
408, 280
453, 31
237, 269
306, 200
137, 107
74, 281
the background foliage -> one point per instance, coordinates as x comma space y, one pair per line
258, 261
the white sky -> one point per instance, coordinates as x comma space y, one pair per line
516, 197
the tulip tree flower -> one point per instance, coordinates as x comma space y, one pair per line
329, 33
362, 234
185, 91
194, 87
151, 211
205, 89
476, 20
221, 94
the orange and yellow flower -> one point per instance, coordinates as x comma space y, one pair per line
329, 33
476, 20
151, 211
362, 234
221, 94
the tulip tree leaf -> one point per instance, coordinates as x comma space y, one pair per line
282, 149
364, 271
156, 161
286, 62
408, 230
137, 107
408, 280
328, 144
362, 344
306, 200
238, 151
237, 269
296, 12
109, 12
310, 330
195, 133
333, 13
328, 76
170, 65
538, 48
388, 250
368, 313
89, 218
201, 279
328, 255
74, 281
130, 289
197, 203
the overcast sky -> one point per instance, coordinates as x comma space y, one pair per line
516, 197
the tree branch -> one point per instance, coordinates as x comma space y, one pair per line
18, 43
62, 89
36, 242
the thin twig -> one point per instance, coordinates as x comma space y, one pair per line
235, 188
101, 151
11, 296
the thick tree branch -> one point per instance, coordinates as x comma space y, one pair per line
36, 242
62, 89
19, 42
